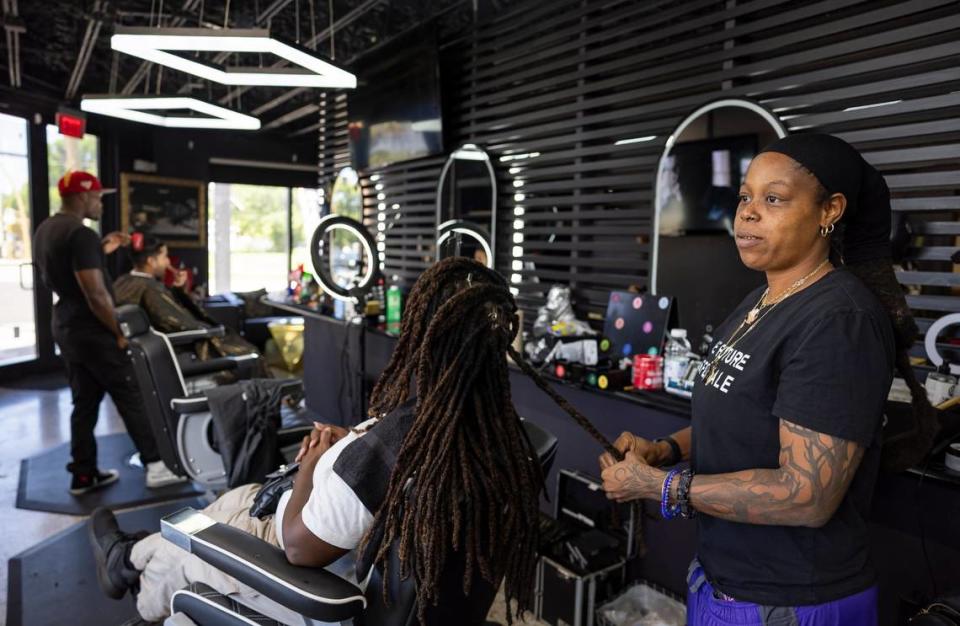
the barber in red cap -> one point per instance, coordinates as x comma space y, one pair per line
70, 257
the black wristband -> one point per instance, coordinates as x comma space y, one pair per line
675, 454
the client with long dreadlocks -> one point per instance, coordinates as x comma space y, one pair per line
443, 422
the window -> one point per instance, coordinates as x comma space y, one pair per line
18, 337
257, 234
304, 218
69, 153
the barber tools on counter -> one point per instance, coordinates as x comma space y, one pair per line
941, 385
556, 322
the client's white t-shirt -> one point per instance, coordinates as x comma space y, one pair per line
333, 512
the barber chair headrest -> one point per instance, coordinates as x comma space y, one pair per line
544, 443
133, 320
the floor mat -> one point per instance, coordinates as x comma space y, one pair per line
53, 381
55, 582
44, 481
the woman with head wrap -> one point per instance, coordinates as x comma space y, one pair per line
784, 440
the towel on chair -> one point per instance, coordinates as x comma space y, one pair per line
246, 417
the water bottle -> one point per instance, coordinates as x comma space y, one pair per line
676, 361
394, 309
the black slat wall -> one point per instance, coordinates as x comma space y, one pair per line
551, 87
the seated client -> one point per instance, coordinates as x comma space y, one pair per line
172, 310
455, 434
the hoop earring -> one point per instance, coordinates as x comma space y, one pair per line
826, 230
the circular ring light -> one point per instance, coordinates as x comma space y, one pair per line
930, 340
765, 114
318, 254
459, 227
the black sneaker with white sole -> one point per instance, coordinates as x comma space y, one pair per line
83, 483
110, 549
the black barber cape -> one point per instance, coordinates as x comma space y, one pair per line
822, 359
366, 465
246, 417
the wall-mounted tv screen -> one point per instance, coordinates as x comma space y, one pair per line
394, 114
700, 184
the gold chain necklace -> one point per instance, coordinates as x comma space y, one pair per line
753, 317
755, 311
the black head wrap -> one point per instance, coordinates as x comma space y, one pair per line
841, 169
866, 253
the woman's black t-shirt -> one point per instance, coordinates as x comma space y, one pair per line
822, 359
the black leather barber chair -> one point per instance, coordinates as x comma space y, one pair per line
181, 423
315, 593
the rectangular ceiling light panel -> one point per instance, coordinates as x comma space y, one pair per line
154, 44
136, 109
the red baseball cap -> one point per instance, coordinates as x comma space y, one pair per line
78, 182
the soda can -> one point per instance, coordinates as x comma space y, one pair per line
647, 372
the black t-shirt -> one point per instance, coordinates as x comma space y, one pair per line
62, 245
822, 359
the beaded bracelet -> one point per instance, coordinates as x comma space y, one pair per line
667, 510
683, 494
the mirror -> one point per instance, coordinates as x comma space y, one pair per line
694, 257
467, 206
344, 258
346, 199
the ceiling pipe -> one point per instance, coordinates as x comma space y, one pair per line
142, 71
94, 23
13, 27
312, 43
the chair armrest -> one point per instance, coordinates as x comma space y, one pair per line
188, 405
290, 436
198, 368
312, 592
189, 336
291, 385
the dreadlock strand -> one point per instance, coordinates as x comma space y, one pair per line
562, 402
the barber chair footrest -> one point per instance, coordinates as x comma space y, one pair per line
204, 606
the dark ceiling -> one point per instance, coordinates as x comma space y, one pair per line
52, 33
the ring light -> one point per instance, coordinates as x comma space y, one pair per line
318, 255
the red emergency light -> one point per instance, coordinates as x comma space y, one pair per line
71, 125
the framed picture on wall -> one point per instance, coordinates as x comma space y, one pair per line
171, 209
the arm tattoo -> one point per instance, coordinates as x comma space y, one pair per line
814, 474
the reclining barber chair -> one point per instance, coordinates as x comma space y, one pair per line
315, 593
182, 423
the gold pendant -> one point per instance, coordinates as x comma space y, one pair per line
712, 374
752, 316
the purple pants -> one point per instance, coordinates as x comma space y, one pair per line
704, 608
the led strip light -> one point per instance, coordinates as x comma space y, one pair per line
136, 109
154, 44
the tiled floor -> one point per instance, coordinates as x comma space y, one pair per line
32, 421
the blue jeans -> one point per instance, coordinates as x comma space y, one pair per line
707, 608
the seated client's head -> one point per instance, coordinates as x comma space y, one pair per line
150, 256
476, 479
